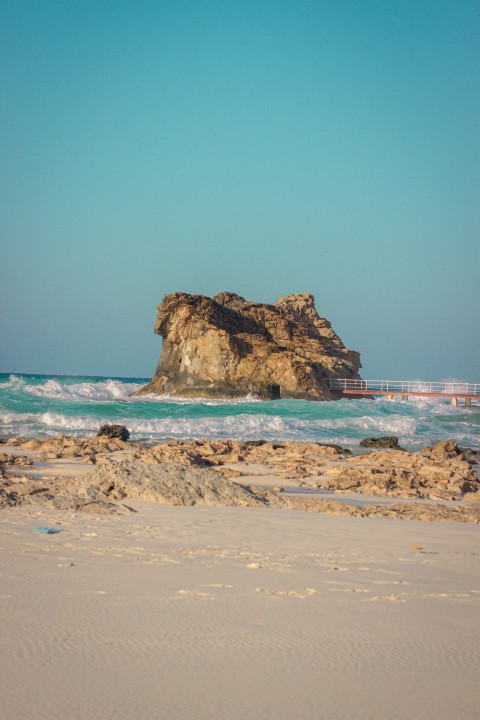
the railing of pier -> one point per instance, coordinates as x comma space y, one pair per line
405, 387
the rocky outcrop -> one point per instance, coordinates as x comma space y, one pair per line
201, 472
439, 472
106, 489
443, 471
227, 347
169, 484
67, 446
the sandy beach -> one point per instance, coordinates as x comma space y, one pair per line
195, 612
235, 612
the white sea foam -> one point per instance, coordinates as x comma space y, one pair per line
106, 390
178, 400
14, 381
56, 421
344, 431
398, 424
248, 426
243, 426
43, 406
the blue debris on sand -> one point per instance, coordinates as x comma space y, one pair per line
47, 530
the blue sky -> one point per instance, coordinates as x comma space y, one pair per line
260, 147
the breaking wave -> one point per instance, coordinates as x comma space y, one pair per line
103, 391
42, 406
56, 389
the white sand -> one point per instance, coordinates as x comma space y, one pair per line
237, 614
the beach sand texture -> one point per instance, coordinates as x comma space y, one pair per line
234, 613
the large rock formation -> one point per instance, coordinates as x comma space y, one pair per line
229, 347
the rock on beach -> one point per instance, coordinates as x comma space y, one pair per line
231, 473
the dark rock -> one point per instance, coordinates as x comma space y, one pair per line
114, 431
338, 449
469, 486
381, 442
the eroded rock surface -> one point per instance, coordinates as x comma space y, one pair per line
108, 488
202, 471
441, 471
229, 347
169, 484
91, 450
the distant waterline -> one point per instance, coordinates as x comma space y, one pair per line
43, 405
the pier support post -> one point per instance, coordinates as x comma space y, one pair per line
468, 402
454, 401
389, 397
404, 397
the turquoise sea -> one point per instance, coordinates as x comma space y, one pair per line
43, 405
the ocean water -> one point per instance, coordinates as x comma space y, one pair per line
41, 406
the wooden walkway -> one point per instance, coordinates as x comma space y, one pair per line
407, 388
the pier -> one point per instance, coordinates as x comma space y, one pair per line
406, 388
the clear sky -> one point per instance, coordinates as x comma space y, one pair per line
260, 147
